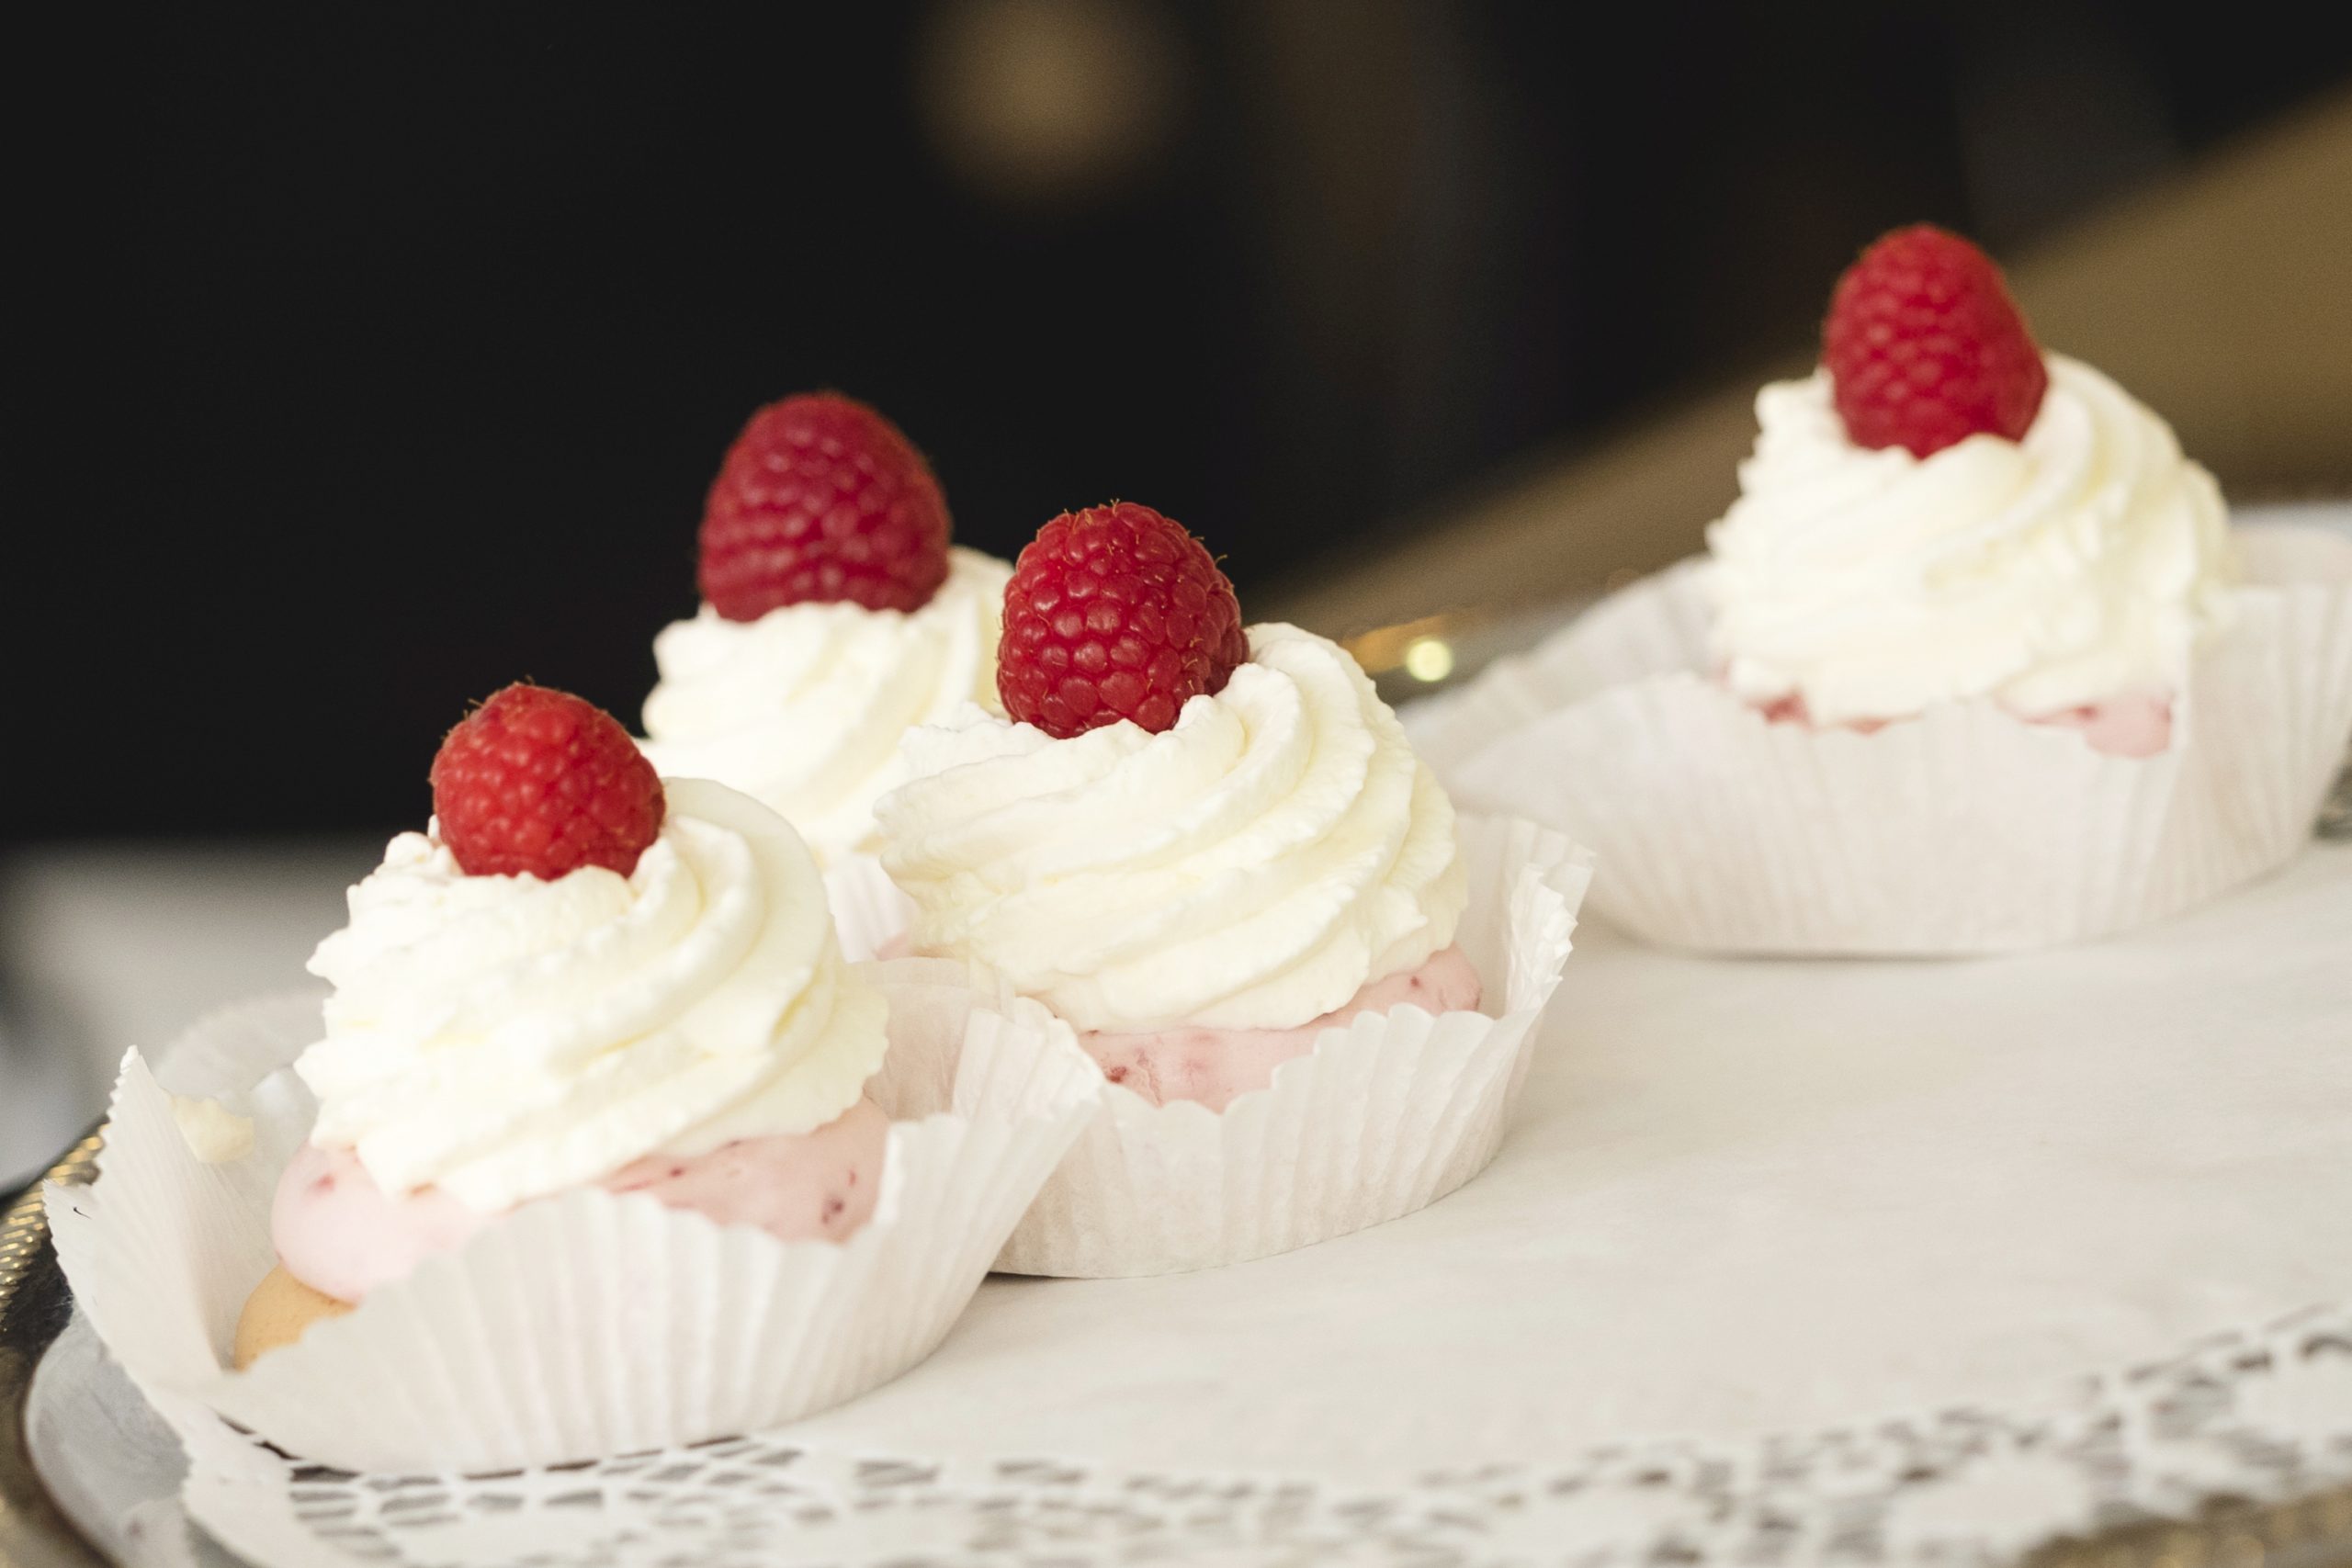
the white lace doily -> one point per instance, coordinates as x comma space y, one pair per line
2258, 1415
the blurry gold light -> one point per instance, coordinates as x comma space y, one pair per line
1041, 100
1428, 659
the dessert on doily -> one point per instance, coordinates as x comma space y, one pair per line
836, 615
1212, 852
605, 1146
1975, 662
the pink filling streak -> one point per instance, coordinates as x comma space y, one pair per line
2135, 723
1214, 1067
337, 1232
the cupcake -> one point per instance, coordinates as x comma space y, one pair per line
1974, 662
604, 1146
836, 615
577, 976
1211, 852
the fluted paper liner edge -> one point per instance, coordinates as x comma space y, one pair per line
871, 914
1383, 1117
1964, 831
587, 1324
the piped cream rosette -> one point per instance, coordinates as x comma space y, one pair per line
1252, 867
2087, 561
514, 1040
1963, 830
500, 1038
802, 708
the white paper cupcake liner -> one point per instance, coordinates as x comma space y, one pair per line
1964, 831
587, 1324
1383, 1117
871, 915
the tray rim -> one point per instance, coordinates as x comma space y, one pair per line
34, 1306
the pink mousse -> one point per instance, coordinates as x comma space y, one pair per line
336, 1231
2135, 724
1214, 1067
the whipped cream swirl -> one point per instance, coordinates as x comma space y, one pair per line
503, 1037
803, 708
2084, 561
1253, 867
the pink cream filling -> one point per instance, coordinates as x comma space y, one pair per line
1214, 1067
2135, 723
337, 1232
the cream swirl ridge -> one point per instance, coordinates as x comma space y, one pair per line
2084, 561
504, 1037
1253, 867
803, 708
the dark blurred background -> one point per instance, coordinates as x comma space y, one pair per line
376, 358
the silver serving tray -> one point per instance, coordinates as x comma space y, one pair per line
34, 1309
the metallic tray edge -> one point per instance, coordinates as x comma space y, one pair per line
34, 1306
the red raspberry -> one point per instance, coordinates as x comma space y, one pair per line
1924, 347
822, 498
544, 781
1115, 613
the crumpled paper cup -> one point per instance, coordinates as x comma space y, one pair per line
1966, 831
1385, 1116
871, 915
586, 1323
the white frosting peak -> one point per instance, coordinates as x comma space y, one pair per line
2084, 561
1253, 867
503, 1037
803, 708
